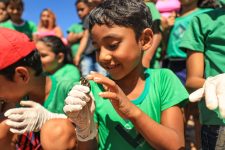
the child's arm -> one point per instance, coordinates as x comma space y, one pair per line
195, 70
157, 135
83, 44
74, 37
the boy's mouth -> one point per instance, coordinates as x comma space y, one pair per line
110, 67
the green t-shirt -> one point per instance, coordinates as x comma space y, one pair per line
27, 27
177, 32
162, 91
75, 28
57, 95
68, 72
206, 34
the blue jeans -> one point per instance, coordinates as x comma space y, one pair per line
89, 63
213, 137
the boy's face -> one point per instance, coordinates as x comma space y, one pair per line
48, 57
118, 51
15, 11
10, 91
3, 12
82, 10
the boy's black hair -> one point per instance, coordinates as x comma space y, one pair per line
208, 4
5, 2
85, 2
128, 13
57, 46
32, 60
18, 2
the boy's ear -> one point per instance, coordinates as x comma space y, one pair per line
146, 38
22, 74
60, 57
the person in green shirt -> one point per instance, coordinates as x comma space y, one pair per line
75, 32
16, 22
135, 107
204, 42
3, 12
56, 59
40, 97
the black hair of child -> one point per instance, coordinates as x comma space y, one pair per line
128, 13
6, 2
32, 61
17, 2
208, 4
85, 2
57, 45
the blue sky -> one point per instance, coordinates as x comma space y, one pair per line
64, 9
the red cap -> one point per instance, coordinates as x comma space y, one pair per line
14, 46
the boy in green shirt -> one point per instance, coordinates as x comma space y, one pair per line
136, 107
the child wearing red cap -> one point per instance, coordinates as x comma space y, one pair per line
21, 78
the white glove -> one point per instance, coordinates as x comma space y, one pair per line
214, 92
79, 107
29, 118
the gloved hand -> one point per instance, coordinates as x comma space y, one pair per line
29, 118
214, 93
79, 107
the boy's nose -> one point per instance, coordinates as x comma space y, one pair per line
104, 55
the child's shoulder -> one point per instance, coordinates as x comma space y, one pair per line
161, 76
161, 71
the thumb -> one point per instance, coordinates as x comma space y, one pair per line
196, 95
29, 103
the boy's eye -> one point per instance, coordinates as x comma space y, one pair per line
113, 46
97, 49
43, 55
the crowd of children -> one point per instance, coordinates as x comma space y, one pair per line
119, 79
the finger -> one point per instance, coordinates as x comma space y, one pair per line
14, 111
210, 95
81, 88
220, 90
72, 108
17, 131
74, 101
196, 95
15, 124
28, 103
108, 84
109, 95
16, 117
78, 94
